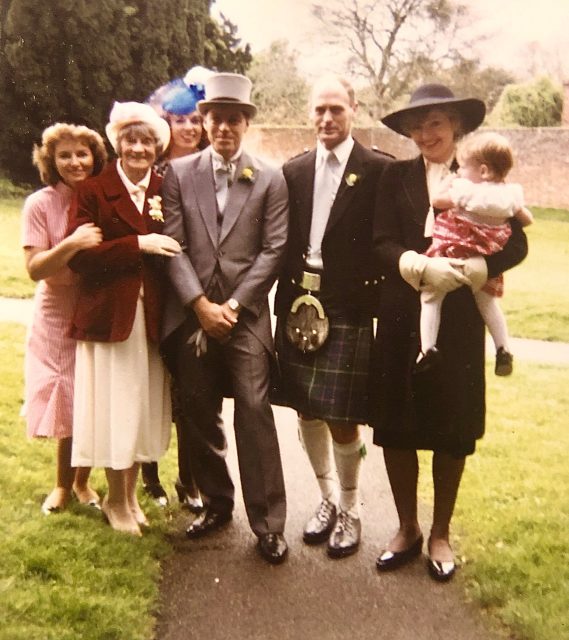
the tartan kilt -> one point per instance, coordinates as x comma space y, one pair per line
332, 382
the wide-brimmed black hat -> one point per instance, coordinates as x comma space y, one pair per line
472, 110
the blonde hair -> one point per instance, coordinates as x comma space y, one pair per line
491, 149
43, 156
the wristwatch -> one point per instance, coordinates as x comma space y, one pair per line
233, 305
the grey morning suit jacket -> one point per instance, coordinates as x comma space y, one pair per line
245, 252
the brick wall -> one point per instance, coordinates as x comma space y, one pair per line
542, 155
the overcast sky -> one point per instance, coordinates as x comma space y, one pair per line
515, 24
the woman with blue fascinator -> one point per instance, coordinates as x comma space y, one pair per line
176, 103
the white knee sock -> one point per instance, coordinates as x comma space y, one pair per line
317, 441
348, 461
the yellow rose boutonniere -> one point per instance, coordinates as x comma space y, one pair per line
352, 179
155, 212
247, 175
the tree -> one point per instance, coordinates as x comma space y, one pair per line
394, 44
279, 92
223, 50
68, 60
532, 104
468, 79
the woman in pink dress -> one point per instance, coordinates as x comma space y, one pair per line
68, 154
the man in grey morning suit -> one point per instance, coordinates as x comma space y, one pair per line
229, 213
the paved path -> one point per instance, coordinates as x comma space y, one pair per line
219, 588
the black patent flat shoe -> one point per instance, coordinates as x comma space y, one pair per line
273, 547
390, 560
441, 571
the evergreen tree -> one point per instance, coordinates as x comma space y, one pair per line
68, 60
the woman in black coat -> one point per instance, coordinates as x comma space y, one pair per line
441, 407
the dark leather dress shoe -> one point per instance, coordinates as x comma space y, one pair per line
441, 571
390, 560
345, 537
207, 521
319, 527
273, 547
157, 493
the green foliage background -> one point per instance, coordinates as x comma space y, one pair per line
69, 60
533, 104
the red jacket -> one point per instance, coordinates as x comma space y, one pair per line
112, 273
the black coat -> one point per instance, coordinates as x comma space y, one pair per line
438, 412
350, 279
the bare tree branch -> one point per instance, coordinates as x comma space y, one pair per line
394, 43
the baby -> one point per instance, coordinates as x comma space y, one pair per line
477, 204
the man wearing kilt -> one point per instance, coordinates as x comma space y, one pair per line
324, 306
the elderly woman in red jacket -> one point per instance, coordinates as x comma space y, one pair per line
122, 410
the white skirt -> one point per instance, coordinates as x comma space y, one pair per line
122, 411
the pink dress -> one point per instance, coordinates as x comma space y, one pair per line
50, 353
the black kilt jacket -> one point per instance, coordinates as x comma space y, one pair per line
443, 412
350, 280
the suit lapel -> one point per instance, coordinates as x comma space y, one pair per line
415, 187
345, 193
119, 198
204, 188
238, 194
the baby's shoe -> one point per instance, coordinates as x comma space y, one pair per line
504, 362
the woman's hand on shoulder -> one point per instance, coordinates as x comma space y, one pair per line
158, 244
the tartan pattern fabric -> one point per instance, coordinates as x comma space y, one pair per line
457, 237
331, 383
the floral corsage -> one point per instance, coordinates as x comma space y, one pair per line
155, 212
352, 179
247, 175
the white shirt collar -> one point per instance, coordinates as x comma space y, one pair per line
130, 186
219, 161
341, 151
446, 164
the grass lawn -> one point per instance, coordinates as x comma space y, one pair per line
67, 576
14, 281
513, 507
536, 297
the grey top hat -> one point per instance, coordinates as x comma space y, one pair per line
228, 89
472, 110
